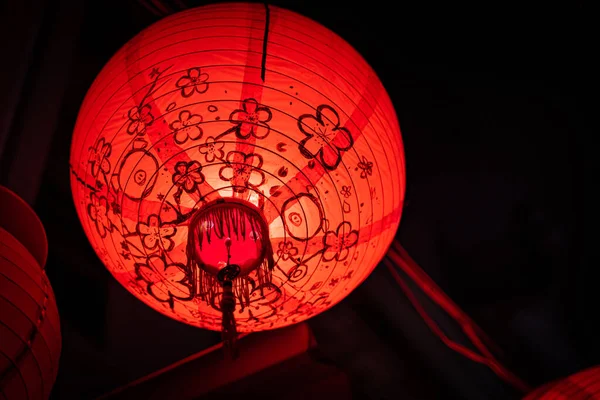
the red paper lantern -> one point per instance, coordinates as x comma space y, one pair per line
584, 385
30, 339
238, 157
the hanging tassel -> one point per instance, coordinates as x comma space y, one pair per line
228, 219
228, 328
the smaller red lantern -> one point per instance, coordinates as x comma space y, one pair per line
30, 339
584, 385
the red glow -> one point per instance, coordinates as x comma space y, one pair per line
239, 101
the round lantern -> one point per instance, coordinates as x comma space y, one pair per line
584, 385
30, 339
238, 165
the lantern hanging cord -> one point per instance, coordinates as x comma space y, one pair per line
398, 259
265, 41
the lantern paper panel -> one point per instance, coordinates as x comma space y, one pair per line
584, 385
248, 102
30, 338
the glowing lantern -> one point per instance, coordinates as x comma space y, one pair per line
584, 385
30, 339
238, 165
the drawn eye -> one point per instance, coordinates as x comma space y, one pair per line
140, 177
295, 218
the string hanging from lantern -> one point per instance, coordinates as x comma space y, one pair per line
156, 8
398, 259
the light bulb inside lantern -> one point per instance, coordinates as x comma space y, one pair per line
227, 232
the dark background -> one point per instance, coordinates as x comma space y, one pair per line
494, 101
